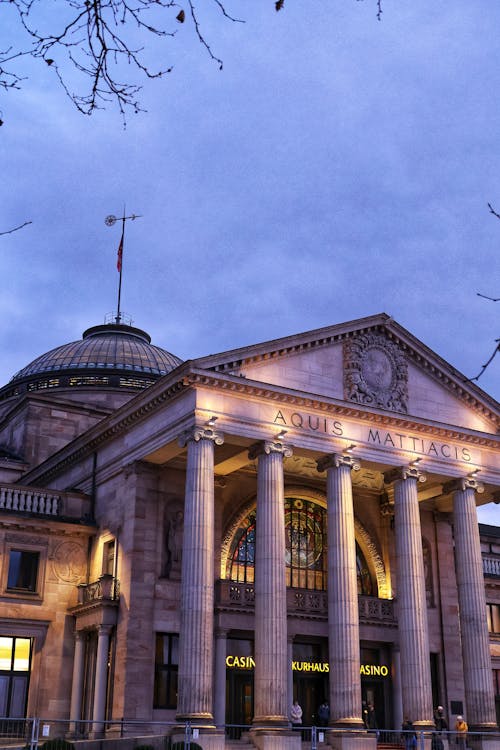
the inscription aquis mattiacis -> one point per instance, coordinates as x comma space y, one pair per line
372, 436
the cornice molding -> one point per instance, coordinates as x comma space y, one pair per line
335, 407
187, 377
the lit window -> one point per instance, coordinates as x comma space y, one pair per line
493, 617
23, 570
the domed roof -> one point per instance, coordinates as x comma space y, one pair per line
113, 354
110, 346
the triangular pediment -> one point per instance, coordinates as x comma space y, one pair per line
371, 362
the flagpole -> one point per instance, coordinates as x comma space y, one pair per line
119, 264
110, 221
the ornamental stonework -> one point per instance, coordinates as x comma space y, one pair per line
375, 372
68, 562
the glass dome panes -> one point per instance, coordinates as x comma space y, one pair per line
105, 349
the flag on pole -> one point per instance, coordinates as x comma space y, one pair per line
120, 253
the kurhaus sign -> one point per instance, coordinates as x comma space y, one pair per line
248, 662
390, 439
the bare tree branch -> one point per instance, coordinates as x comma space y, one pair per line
483, 368
9, 231
485, 296
492, 210
97, 39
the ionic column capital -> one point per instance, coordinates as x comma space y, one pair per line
336, 460
462, 484
104, 630
267, 447
197, 433
402, 473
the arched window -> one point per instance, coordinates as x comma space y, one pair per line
306, 549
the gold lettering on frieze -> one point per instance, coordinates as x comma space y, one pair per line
420, 446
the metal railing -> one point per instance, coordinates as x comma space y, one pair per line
34, 733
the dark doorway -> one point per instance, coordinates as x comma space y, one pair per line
239, 701
310, 691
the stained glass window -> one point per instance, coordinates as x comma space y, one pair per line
305, 553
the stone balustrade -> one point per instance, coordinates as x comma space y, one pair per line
29, 500
234, 596
106, 588
42, 502
491, 566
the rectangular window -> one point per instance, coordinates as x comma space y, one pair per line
493, 617
166, 670
15, 665
108, 562
23, 570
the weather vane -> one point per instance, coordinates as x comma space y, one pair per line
111, 221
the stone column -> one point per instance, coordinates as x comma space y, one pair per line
479, 695
101, 680
290, 671
77, 683
396, 688
411, 599
343, 614
220, 677
271, 649
195, 692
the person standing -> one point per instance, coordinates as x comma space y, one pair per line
296, 715
461, 730
409, 736
439, 720
324, 714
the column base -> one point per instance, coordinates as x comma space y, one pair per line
351, 739
484, 741
209, 738
275, 739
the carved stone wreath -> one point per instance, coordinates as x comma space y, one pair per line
375, 372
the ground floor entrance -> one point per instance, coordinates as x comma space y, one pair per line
309, 683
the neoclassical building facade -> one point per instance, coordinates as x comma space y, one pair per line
206, 541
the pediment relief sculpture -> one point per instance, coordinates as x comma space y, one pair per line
375, 372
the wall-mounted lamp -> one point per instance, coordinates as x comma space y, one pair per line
281, 435
210, 422
415, 462
350, 448
473, 473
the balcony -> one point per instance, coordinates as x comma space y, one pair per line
98, 603
40, 502
240, 597
106, 588
491, 566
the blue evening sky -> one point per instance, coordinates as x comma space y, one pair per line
339, 166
